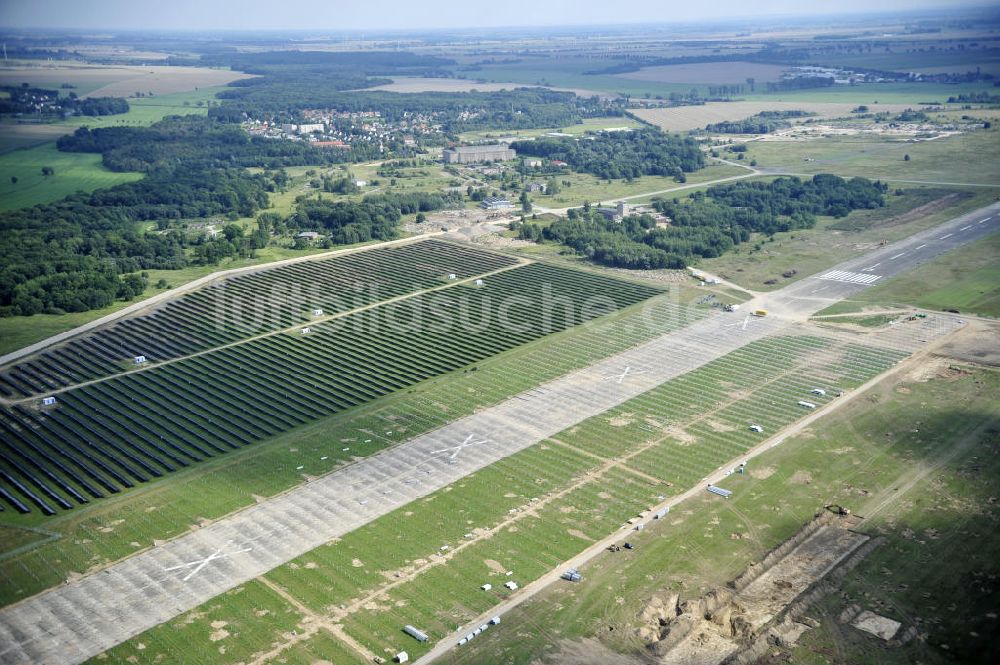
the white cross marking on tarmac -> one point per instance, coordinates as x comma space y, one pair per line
201, 563
457, 449
618, 378
850, 277
742, 324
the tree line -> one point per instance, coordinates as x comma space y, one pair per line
707, 224
764, 122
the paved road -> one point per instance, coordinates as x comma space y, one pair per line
81, 619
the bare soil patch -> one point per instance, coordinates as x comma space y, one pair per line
621, 420
723, 621
495, 566
587, 652
680, 435
576, 533
801, 478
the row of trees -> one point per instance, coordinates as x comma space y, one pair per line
764, 122
613, 155
707, 224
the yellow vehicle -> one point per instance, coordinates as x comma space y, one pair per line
760, 312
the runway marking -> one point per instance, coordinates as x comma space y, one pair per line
983, 221
921, 247
820, 289
872, 267
850, 277
966, 228
891, 258
201, 563
948, 235
457, 449
618, 378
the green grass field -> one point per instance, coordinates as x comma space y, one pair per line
586, 125
831, 241
857, 457
77, 171
966, 279
970, 158
541, 506
73, 172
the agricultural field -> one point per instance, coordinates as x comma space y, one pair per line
567, 72
930, 62
102, 532
580, 485
418, 84
810, 250
120, 80
908, 456
708, 73
967, 280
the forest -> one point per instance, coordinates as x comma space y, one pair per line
617, 155
707, 224
199, 142
73, 255
25, 100
76, 254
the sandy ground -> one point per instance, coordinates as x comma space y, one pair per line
122, 81
683, 118
908, 131
766, 596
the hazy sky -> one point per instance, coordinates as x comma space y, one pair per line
331, 15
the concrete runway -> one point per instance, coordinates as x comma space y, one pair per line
83, 618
